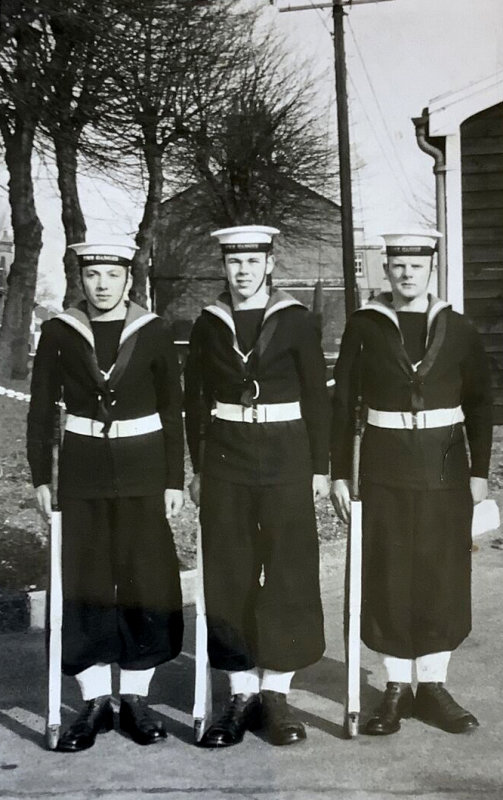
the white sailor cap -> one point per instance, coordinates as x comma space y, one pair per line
245, 238
120, 253
413, 243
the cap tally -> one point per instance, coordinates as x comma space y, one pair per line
112, 253
419, 243
246, 238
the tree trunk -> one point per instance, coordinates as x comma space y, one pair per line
148, 224
72, 217
27, 228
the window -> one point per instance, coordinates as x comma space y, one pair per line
359, 264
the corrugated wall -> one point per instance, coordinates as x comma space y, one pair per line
482, 186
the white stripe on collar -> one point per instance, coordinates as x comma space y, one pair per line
220, 310
79, 326
434, 308
135, 325
85, 329
286, 303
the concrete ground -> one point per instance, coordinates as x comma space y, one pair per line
419, 762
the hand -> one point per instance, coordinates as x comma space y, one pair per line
341, 498
479, 489
43, 495
173, 501
195, 489
320, 487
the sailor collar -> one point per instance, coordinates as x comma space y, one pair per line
77, 318
383, 305
222, 308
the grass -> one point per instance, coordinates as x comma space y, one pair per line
24, 535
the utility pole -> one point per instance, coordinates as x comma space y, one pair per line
348, 245
348, 248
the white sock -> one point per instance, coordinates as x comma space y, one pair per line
135, 681
95, 681
244, 681
399, 670
273, 681
433, 667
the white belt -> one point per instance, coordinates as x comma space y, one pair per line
119, 427
431, 418
265, 412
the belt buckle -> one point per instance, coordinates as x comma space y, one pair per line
254, 411
113, 433
414, 419
97, 428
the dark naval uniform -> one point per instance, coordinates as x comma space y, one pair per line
417, 505
260, 544
121, 587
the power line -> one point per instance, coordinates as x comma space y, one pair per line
382, 116
386, 155
389, 161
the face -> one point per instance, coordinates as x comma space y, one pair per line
409, 275
246, 272
104, 285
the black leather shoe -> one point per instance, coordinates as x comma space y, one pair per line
138, 720
397, 703
280, 723
435, 705
97, 716
243, 713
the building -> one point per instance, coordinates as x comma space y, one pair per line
464, 133
187, 264
370, 260
6, 258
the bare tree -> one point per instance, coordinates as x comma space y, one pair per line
22, 88
85, 55
259, 147
168, 47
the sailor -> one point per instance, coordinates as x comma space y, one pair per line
424, 377
256, 358
120, 480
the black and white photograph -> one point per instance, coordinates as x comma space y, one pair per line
251, 399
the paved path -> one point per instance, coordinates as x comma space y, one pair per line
419, 762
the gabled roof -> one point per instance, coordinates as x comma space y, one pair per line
448, 111
295, 185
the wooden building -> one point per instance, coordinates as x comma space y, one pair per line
467, 126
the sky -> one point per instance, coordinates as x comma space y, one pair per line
400, 55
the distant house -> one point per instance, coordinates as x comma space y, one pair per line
467, 126
40, 314
369, 267
6, 257
187, 264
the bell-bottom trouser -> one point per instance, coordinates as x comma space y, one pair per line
416, 582
261, 575
121, 585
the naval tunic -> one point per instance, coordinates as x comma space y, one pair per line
417, 505
121, 587
260, 547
